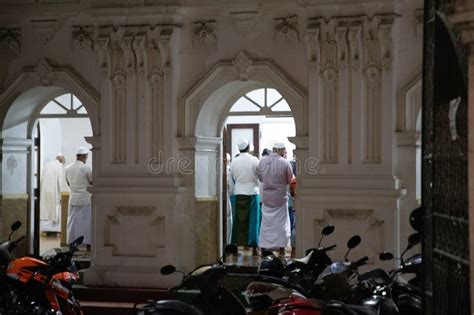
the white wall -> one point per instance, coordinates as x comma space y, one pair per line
64, 135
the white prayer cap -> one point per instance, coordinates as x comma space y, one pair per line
60, 154
278, 145
242, 143
81, 151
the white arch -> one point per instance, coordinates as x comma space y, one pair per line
206, 105
33, 87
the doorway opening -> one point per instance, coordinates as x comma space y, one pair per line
263, 117
59, 128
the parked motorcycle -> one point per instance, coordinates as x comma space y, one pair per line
39, 285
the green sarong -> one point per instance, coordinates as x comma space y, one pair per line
246, 220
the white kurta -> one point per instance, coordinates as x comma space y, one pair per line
79, 178
275, 173
50, 198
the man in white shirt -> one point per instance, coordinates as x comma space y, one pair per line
246, 201
79, 178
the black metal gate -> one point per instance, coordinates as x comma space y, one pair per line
444, 168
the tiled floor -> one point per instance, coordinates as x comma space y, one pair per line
245, 258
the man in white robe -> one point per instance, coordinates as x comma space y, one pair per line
275, 173
50, 199
79, 178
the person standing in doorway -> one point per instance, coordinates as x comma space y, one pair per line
276, 174
246, 201
50, 189
79, 178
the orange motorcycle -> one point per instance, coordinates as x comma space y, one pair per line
43, 285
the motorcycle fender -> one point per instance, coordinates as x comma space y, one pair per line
52, 299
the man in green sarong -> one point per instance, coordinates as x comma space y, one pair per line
246, 201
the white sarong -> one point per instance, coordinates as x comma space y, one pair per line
275, 230
79, 223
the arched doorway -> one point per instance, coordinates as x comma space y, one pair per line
263, 117
202, 114
21, 103
58, 129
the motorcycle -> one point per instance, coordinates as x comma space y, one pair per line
407, 295
39, 285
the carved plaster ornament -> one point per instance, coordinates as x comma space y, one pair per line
119, 78
341, 46
204, 34
286, 31
139, 50
104, 57
128, 55
385, 39
354, 48
330, 75
453, 110
312, 49
11, 38
156, 76
242, 63
43, 70
373, 74
82, 37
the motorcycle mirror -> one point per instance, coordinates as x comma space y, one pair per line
386, 256
167, 270
414, 239
327, 230
352, 243
416, 219
231, 249
15, 226
78, 241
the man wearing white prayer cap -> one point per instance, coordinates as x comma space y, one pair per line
246, 198
275, 172
79, 178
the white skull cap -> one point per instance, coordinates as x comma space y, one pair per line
82, 150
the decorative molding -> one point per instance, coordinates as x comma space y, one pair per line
419, 19
312, 49
342, 49
354, 45
43, 69
204, 34
143, 220
186, 143
82, 37
11, 38
286, 30
301, 143
140, 54
407, 139
242, 63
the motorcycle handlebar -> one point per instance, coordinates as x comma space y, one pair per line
330, 247
360, 262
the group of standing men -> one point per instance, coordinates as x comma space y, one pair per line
78, 177
270, 177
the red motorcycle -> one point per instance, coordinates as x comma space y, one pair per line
38, 285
